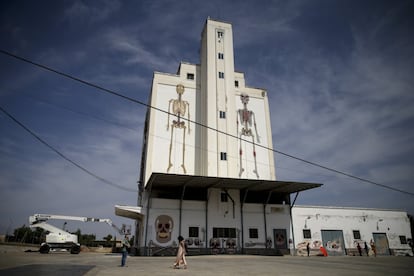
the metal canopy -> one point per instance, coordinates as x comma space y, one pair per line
132, 212
160, 181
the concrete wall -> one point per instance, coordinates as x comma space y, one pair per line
196, 150
161, 134
219, 214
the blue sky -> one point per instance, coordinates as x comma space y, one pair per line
339, 76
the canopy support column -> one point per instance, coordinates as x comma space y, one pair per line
181, 210
265, 219
291, 223
242, 220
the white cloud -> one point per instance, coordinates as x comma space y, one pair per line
81, 11
50, 184
351, 115
351, 111
135, 53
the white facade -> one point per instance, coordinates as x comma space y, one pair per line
208, 172
211, 97
207, 122
339, 230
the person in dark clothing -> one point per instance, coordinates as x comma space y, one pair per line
366, 248
125, 246
359, 249
308, 248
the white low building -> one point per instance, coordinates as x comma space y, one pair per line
340, 230
207, 168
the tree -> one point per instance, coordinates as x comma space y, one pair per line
87, 239
21, 234
108, 238
27, 235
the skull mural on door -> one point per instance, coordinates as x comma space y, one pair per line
163, 228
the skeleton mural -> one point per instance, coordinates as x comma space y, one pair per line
179, 109
246, 116
163, 227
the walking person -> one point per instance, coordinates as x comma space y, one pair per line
180, 259
366, 248
307, 248
125, 247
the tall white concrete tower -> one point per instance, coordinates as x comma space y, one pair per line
216, 104
225, 153
212, 124
207, 169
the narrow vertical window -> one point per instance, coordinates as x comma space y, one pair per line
221, 75
223, 197
220, 34
222, 114
307, 234
220, 55
236, 83
223, 156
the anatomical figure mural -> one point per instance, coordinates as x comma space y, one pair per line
245, 120
180, 109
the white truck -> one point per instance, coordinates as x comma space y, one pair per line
61, 239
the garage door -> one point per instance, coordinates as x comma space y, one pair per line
381, 243
333, 241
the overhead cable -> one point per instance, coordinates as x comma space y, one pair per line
64, 156
47, 68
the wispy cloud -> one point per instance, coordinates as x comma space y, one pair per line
351, 116
339, 83
91, 11
131, 51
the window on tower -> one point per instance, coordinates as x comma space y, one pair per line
236, 83
220, 34
220, 55
222, 114
221, 75
190, 76
224, 197
223, 156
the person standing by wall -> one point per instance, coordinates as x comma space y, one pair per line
125, 247
359, 249
307, 248
374, 249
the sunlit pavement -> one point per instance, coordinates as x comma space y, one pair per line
23, 263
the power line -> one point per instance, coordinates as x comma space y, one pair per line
80, 113
196, 123
64, 156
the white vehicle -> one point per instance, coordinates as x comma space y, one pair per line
60, 238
